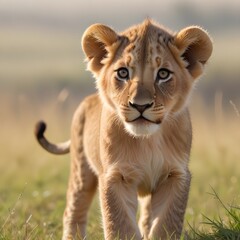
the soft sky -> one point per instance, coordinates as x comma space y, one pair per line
101, 6
120, 14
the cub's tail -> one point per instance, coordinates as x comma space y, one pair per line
59, 148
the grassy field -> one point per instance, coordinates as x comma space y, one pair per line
33, 182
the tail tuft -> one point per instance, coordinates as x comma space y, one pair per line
40, 129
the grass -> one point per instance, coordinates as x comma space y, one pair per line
223, 227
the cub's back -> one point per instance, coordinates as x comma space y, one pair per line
86, 126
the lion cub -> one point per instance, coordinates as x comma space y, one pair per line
132, 139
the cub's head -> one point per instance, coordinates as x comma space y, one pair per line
145, 74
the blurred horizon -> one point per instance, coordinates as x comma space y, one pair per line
76, 16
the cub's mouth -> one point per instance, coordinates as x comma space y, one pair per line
143, 120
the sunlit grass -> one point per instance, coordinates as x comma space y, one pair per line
225, 226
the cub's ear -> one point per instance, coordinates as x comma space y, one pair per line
95, 41
195, 47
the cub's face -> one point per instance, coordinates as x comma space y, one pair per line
146, 73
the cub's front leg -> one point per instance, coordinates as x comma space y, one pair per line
169, 203
118, 197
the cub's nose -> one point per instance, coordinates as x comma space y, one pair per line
140, 108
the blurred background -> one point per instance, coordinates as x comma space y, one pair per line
40, 41
42, 76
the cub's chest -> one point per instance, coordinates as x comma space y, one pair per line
152, 161
144, 161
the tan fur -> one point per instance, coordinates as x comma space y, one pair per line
145, 159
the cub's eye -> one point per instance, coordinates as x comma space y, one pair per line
122, 74
164, 75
